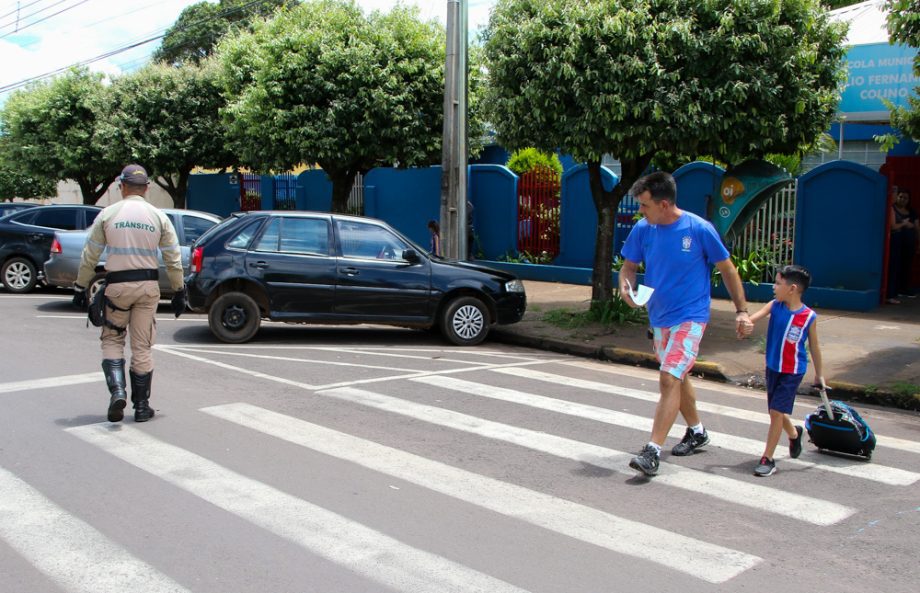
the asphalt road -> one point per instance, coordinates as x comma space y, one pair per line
357, 459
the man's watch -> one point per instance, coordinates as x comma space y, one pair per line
740, 311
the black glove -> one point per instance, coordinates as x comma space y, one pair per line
179, 302
79, 297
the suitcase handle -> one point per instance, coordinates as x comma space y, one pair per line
827, 403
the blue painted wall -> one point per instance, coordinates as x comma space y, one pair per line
314, 191
697, 184
578, 218
840, 226
405, 198
493, 191
214, 193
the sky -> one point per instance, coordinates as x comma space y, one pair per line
43, 36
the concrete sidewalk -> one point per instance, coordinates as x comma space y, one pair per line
872, 357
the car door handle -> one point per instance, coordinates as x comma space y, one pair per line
350, 271
259, 264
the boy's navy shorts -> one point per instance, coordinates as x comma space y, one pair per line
781, 388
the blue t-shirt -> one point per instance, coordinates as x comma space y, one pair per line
678, 258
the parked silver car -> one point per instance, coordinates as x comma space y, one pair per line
61, 269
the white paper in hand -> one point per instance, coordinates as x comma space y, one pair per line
641, 294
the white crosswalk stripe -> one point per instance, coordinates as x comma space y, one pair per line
70, 552
365, 551
759, 497
709, 562
753, 447
15, 386
898, 477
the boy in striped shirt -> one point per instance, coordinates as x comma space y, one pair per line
791, 324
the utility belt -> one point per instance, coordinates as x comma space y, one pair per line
97, 314
131, 276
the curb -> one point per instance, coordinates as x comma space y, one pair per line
712, 371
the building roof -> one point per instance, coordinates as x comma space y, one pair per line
867, 22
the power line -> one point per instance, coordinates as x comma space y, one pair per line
24, 82
18, 8
26, 26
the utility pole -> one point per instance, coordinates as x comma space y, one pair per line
454, 144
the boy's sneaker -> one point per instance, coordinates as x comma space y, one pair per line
690, 443
795, 445
646, 461
766, 468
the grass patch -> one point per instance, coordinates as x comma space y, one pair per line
605, 313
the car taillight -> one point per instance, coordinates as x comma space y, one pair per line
55, 246
195, 266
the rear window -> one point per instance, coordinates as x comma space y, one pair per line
195, 227
243, 236
63, 218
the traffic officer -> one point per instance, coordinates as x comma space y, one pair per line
132, 230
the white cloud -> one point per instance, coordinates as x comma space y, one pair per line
91, 28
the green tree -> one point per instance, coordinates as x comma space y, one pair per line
51, 132
323, 83
904, 27
194, 35
168, 119
16, 184
632, 78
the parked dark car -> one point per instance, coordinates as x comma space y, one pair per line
26, 237
311, 267
10, 207
66, 251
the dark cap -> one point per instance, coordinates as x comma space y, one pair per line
134, 175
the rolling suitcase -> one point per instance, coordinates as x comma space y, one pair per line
838, 428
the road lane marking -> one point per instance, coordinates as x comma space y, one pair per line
370, 553
184, 353
878, 473
70, 552
652, 396
708, 562
763, 498
62, 381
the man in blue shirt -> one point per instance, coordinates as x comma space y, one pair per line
678, 249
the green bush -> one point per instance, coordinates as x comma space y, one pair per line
527, 159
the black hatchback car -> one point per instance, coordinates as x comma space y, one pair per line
26, 237
311, 267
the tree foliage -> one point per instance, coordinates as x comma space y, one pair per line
194, 35
526, 159
14, 183
51, 131
168, 119
904, 27
632, 78
324, 83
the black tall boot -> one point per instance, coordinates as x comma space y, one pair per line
114, 370
140, 394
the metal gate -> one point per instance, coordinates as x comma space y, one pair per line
538, 213
250, 192
285, 197
771, 232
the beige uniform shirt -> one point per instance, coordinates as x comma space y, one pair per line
133, 231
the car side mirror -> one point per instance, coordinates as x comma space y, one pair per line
411, 256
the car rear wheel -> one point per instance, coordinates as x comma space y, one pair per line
19, 275
465, 321
234, 318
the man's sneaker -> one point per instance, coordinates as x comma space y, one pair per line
690, 443
766, 468
795, 445
646, 461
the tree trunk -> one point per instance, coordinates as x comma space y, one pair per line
342, 181
177, 190
607, 203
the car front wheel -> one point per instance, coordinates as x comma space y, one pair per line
465, 321
234, 318
19, 275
